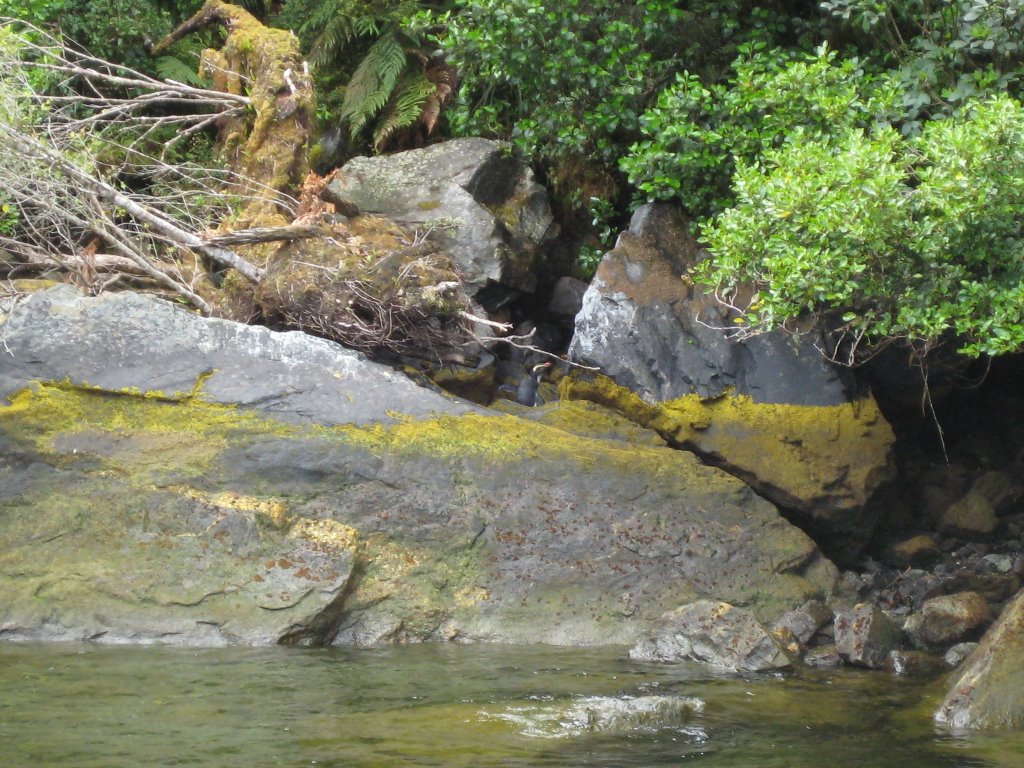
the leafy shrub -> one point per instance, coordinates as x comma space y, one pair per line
945, 54
564, 80
120, 31
697, 132
885, 236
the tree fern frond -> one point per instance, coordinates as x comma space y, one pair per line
173, 68
373, 82
335, 35
366, 26
321, 14
405, 107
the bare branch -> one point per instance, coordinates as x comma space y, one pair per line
263, 235
36, 150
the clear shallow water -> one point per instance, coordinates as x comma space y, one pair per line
86, 705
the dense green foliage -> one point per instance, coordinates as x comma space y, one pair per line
851, 161
117, 30
892, 237
698, 133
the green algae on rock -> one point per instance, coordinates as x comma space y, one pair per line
134, 519
182, 479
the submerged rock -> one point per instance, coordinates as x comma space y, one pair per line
915, 664
601, 714
169, 478
714, 633
988, 691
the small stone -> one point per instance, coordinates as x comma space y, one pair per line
994, 587
998, 563
955, 656
972, 515
913, 552
915, 664
805, 621
823, 657
999, 489
935, 499
947, 619
865, 635
972, 549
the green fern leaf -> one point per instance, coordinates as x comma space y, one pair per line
331, 41
373, 82
173, 68
366, 26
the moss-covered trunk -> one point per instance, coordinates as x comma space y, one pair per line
269, 145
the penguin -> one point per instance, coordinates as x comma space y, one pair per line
526, 392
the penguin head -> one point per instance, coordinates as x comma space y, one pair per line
539, 369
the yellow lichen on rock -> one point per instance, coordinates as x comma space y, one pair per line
326, 533
273, 511
802, 457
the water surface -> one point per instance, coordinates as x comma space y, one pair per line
110, 706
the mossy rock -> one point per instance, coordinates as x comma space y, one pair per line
181, 479
187, 522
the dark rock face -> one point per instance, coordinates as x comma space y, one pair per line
491, 215
139, 507
715, 633
649, 328
809, 442
989, 690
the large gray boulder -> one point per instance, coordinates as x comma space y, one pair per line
777, 412
127, 342
142, 503
480, 199
988, 690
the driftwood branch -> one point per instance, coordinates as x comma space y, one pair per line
263, 235
519, 342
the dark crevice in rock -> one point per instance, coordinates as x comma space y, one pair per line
840, 546
320, 631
